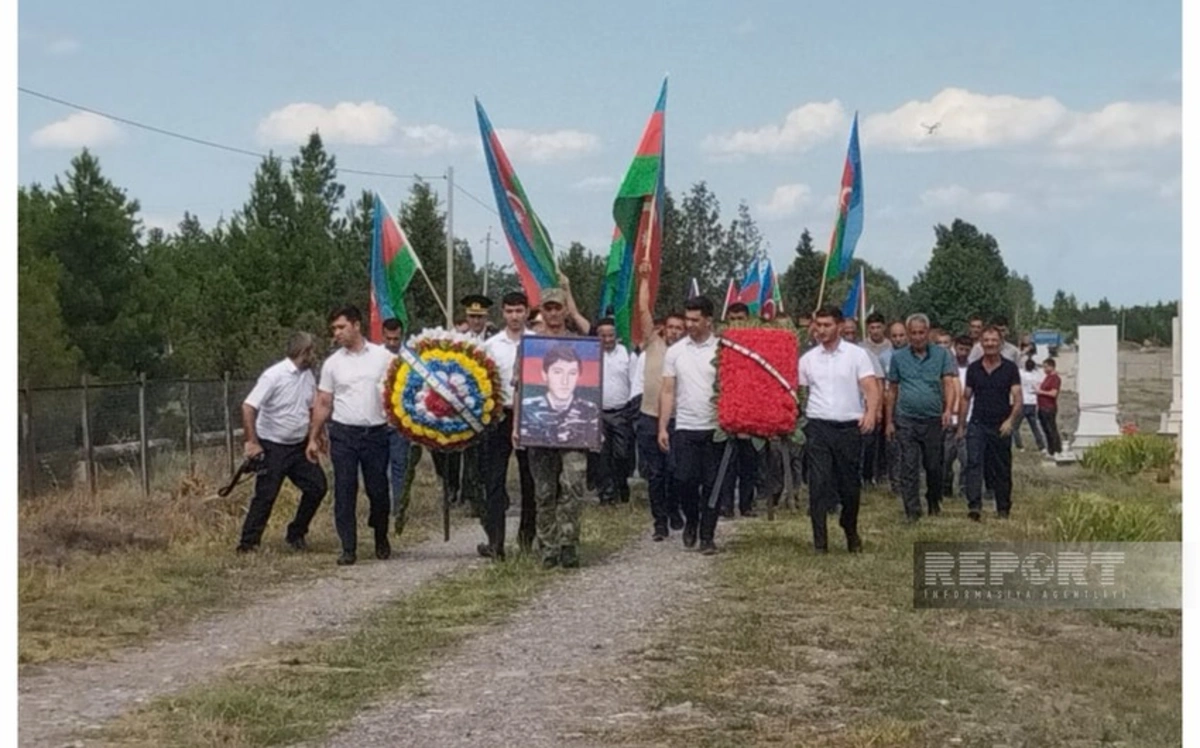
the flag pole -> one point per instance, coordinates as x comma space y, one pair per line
824, 276
449, 247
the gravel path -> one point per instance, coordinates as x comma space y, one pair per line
58, 700
555, 670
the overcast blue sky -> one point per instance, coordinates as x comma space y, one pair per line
1060, 122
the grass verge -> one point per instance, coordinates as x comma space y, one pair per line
96, 574
303, 691
799, 649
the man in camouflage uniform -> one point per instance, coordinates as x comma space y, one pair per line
559, 474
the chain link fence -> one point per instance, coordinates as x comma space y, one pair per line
87, 437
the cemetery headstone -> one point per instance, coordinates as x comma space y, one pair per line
1172, 420
1097, 377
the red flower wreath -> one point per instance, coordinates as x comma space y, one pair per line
750, 400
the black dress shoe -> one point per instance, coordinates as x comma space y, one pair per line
660, 534
297, 544
974, 517
1002, 514
935, 510
246, 548
485, 550
689, 537
708, 548
676, 522
383, 549
346, 559
749, 513
854, 544
568, 558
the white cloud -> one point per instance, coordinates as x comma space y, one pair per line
63, 45
957, 197
786, 200
595, 184
366, 123
967, 120
1124, 125
547, 147
804, 127
430, 140
78, 130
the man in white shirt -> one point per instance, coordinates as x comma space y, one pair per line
612, 462
275, 417
497, 447
688, 374
842, 403
350, 399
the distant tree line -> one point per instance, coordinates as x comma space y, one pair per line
100, 294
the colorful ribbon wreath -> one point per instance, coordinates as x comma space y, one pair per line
443, 391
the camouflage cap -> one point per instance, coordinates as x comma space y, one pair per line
554, 296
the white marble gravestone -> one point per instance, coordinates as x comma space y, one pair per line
1172, 420
1096, 377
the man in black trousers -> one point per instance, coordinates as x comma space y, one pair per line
843, 398
350, 399
275, 418
497, 445
992, 395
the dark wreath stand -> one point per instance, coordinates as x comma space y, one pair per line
727, 452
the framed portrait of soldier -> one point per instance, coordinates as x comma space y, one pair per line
560, 380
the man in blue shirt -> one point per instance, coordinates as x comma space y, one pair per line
920, 402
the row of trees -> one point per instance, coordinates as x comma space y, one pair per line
101, 295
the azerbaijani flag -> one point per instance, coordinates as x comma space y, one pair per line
849, 223
770, 302
750, 289
856, 299
637, 235
528, 240
731, 297
393, 265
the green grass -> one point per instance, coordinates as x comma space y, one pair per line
799, 649
98, 574
303, 691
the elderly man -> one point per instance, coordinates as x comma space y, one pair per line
992, 396
275, 417
612, 463
920, 403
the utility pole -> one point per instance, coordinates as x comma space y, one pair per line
487, 259
450, 248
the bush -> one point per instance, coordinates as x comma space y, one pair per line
1131, 454
1087, 517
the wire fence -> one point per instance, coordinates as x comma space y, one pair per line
76, 438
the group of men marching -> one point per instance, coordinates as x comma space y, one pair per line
903, 399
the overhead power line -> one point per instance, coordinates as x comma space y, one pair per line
208, 143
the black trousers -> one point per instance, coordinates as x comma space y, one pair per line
655, 466
352, 448
834, 451
494, 455
743, 477
777, 453
874, 466
1049, 421
989, 459
922, 444
284, 461
697, 459
611, 465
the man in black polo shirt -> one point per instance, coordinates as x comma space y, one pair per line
992, 395
920, 402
